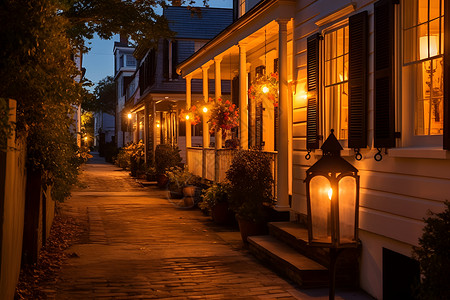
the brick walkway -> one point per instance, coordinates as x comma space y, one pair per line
140, 246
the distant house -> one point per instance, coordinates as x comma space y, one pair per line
124, 68
155, 93
374, 72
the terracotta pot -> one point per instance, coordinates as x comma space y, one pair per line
163, 180
188, 201
220, 213
249, 228
189, 191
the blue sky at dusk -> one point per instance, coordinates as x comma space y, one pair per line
99, 62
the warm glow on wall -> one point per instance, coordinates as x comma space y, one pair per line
434, 44
157, 124
129, 116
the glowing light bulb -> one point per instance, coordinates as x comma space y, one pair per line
265, 89
129, 116
330, 193
187, 117
205, 109
85, 138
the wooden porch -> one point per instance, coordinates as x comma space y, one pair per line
212, 164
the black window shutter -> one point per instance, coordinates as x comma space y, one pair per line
235, 91
384, 113
312, 116
166, 59
446, 142
259, 124
174, 59
357, 80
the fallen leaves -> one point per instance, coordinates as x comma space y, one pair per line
35, 279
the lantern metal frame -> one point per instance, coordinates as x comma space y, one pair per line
334, 168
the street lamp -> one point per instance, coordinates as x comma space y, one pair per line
332, 194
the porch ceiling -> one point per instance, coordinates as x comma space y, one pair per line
254, 29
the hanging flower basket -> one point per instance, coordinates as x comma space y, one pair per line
192, 115
223, 115
265, 86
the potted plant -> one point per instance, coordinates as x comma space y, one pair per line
215, 201
251, 182
166, 156
178, 179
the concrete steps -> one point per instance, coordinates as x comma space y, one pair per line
286, 249
299, 268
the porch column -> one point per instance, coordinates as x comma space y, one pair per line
218, 94
205, 100
283, 129
147, 135
243, 121
218, 133
205, 143
188, 106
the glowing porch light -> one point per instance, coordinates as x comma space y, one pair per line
129, 116
205, 109
265, 89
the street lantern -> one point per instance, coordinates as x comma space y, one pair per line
332, 194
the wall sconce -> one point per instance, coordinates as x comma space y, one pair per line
129, 116
157, 124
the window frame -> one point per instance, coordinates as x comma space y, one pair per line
405, 105
328, 111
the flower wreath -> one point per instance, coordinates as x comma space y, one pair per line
265, 86
223, 115
192, 114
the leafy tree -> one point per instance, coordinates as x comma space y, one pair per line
434, 256
39, 40
104, 98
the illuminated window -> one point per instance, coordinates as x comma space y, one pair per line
336, 81
423, 44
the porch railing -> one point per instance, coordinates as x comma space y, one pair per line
204, 163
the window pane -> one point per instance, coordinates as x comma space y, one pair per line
409, 14
410, 53
434, 9
429, 104
424, 39
340, 42
343, 116
423, 11
434, 37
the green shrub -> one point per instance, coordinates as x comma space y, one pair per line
166, 156
251, 182
433, 255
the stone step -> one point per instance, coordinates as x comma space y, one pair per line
295, 235
286, 260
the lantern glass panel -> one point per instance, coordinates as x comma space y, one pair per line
347, 209
320, 208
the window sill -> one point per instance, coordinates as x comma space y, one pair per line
434, 153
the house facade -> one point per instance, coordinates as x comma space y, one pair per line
155, 93
371, 70
124, 68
